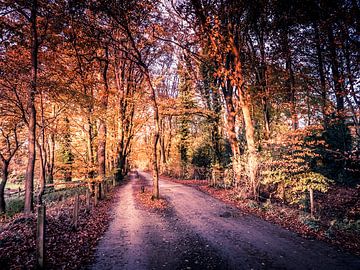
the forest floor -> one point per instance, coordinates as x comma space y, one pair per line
188, 229
66, 247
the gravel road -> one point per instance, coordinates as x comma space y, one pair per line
200, 232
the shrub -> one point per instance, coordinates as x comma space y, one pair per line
292, 166
14, 206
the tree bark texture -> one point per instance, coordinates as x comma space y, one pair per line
102, 133
4, 178
29, 176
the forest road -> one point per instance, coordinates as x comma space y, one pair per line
200, 232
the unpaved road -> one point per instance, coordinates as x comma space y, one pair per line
201, 232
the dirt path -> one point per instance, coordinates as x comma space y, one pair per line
203, 233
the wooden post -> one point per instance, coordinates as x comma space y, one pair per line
87, 199
312, 208
19, 192
100, 191
76, 212
40, 236
96, 195
105, 186
114, 181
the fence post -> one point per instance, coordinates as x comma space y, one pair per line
105, 187
88, 199
114, 181
19, 192
99, 186
96, 195
40, 236
101, 191
76, 211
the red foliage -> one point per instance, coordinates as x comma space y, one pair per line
144, 198
146, 201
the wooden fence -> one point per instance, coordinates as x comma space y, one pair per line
96, 189
50, 188
14, 193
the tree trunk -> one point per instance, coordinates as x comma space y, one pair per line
215, 133
42, 176
101, 151
163, 148
29, 176
290, 81
4, 178
263, 83
168, 146
245, 101
51, 157
321, 74
90, 145
354, 107
102, 125
338, 85
230, 127
156, 193
215, 141
155, 162
43, 156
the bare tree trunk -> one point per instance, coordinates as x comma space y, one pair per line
42, 150
90, 145
355, 108
156, 138
101, 151
230, 128
102, 125
245, 101
169, 143
290, 81
321, 74
4, 178
338, 86
29, 176
263, 83
162, 143
51, 157
266, 115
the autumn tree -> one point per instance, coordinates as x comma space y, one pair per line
10, 143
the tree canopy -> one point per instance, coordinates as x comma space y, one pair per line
265, 94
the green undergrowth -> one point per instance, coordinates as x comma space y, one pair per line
16, 205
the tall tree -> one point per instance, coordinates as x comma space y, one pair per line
104, 96
9, 145
29, 176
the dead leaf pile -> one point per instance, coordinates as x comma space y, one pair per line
144, 197
66, 248
146, 201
